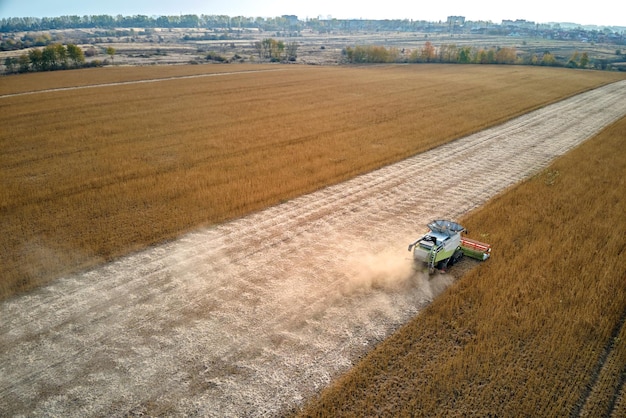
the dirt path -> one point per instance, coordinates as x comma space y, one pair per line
251, 317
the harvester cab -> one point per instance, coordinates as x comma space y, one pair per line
442, 246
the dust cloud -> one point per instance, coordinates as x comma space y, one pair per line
389, 269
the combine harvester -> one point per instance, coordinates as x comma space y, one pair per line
443, 246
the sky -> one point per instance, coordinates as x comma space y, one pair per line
596, 12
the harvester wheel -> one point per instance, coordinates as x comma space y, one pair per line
458, 255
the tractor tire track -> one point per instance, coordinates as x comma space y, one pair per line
251, 317
593, 400
143, 81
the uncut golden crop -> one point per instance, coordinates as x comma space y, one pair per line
93, 173
96, 76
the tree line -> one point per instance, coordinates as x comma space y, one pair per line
21, 24
450, 53
52, 57
25, 24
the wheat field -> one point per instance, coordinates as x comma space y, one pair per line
92, 173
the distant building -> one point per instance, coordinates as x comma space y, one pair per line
519, 23
456, 20
292, 19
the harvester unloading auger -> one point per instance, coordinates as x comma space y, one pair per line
443, 246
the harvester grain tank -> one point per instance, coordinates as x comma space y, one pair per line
442, 246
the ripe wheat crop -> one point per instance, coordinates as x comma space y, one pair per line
538, 330
91, 174
100, 76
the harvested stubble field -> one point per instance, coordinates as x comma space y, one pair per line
253, 316
90, 174
538, 330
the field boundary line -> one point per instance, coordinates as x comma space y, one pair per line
123, 83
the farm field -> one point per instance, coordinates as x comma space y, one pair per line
91, 174
254, 316
538, 330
